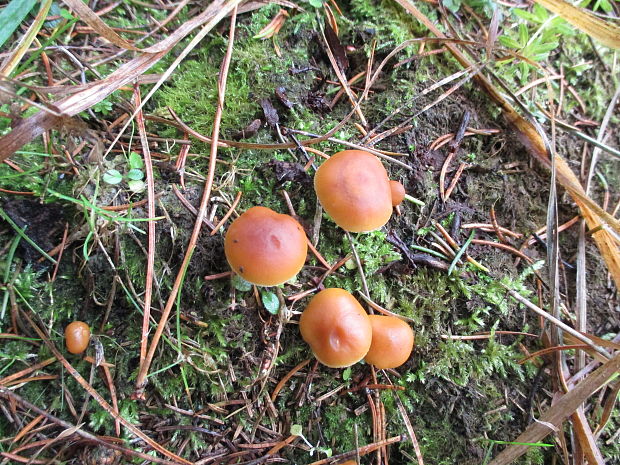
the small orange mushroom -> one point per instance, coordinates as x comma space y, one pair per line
265, 247
398, 192
336, 327
392, 342
77, 337
353, 188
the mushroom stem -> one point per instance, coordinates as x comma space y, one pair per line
414, 200
359, 264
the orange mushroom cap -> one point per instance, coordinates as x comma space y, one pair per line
336, 327
398, 192
77, 337
353, 188
392, 342
265, 247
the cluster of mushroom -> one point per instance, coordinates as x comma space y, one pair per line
268, 248
340, 333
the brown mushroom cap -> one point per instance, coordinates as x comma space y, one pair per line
398, 192
336, 327
392, 342
77, 337
353, 188
265, 247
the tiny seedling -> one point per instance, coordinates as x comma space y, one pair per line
134, 175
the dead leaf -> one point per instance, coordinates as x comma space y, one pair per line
605, 32
248, 131
274, 25
336, 47
286, 171
281, 94
271, 114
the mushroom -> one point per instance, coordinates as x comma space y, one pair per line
264, 247
397, 191
77, 337
336, 327
353, 188
392, 342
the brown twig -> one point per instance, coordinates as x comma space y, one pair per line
285, 379
127, 206
26, 371
507, 247
62, 245
227, 215
362, 450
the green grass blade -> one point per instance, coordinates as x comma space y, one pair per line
23, 235
12, 16
460, 253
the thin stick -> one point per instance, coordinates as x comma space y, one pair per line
288, 376
141, 380
228, 214
62, 249
499, 245
454, 181
362, 450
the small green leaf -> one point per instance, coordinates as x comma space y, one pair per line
316, 3
509, 42
346, 374
135, 161
135, 174
296, 430
452, 5
136, 186
524, 35
112, 177
525, 15
66, 14
241, 284
270, 301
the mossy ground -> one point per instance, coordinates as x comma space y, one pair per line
459, 394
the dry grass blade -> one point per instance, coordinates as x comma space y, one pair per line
587, 442
594, 215
603, 31
557, 413
608, 408
150, 257
560, 324
344, 83
32, 127
87, 15
13, 60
